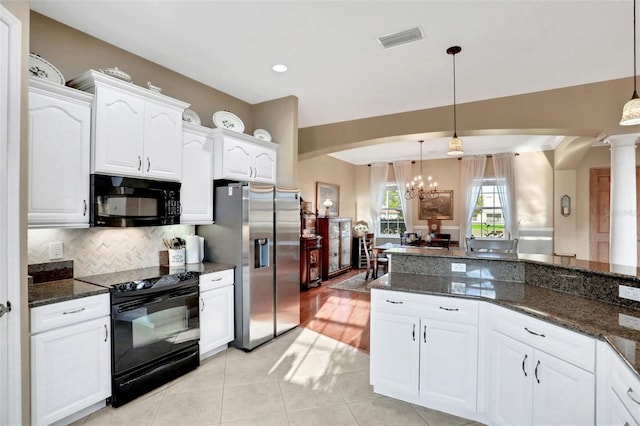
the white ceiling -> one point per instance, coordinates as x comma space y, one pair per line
338, 70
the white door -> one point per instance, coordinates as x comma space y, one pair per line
236, 162
10, 349
563, 394
448, 363
216, 318
510, 374
395, 352
264, 162
196, 192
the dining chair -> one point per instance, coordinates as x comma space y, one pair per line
441, 240
373, 263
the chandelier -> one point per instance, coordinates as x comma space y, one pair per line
455, 144
416, 187
631, 110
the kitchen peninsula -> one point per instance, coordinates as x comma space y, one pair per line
524, 339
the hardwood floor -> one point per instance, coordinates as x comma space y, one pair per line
342, 315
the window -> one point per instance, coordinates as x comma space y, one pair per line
391, 216
487, 220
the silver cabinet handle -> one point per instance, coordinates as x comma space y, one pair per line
202, 300
148, 164
73, 312
216, 279
106, 333
139, 163
414, 332
534, 333
394, 302
630, 395
449, 309
424, 334
536, 371
84, 212
5, 309
523, 361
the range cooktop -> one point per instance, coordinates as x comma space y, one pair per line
155, 277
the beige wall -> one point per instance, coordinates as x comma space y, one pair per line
329, 170
280, 118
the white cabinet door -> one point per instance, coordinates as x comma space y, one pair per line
70, 369
264, 164
119, 132
216, 318
563, 394
237, 159
196, 192
395, 351
59, 157
448, 364
510, 372
616, 413
162, 142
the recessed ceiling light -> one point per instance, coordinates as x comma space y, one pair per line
279, 68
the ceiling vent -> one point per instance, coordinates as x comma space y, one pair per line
402, 37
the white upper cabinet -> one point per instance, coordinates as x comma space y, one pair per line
136, 132
196, 192
59, 144
238, 156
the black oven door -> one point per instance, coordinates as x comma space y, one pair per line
153, 327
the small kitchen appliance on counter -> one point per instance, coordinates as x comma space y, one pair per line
155, 327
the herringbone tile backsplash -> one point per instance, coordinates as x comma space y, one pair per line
102, 250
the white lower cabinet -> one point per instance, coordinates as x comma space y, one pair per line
216, 312
70, 358
618, 392
424, 350
527, 385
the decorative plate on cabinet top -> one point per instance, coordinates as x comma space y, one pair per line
227, 120
117, 73
190, 116
39, 67
262, 134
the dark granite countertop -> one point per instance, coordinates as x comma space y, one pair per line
563, 261
61, 291
591, 317
45, 293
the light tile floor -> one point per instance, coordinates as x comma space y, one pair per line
300, 378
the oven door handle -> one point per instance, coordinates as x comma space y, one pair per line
129, 306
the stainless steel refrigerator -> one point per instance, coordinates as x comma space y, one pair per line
245, 235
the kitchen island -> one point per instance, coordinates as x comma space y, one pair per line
485, 333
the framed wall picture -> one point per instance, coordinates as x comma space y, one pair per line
440, 207
324, 192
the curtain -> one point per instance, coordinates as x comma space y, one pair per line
505, 184
377, 181
471, 174
403, 171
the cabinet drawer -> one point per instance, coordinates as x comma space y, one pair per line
433, 307
567, 345
70, 312
625, 384
216, 280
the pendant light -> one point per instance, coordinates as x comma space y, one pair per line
631, 110
455, 144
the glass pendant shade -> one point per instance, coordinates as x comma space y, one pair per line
631, 112
455, 146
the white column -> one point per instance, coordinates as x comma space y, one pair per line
623, 245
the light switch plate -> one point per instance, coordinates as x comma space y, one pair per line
458, 267
627, 292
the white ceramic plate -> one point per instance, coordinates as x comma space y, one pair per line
227, 120
38, 67
262, 134
117, 73
190, 116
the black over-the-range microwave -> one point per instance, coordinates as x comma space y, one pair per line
123, 201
